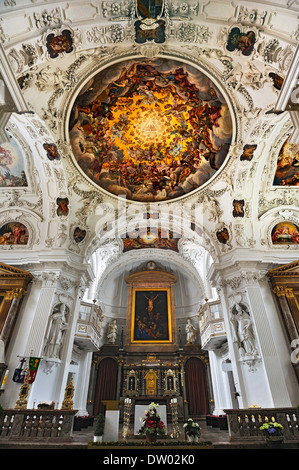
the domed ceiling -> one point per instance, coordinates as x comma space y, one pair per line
150, 130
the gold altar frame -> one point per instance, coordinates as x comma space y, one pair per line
151, 280
168, 314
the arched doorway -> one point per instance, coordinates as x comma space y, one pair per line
196, 387
106, 386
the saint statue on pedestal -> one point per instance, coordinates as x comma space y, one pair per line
191, 332
112, 332
56, 331
243, 331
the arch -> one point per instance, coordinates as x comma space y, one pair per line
196, 387
193, 243
106, 384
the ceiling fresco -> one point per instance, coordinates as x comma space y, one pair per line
12, 170
151, 130
159, 238
287, 170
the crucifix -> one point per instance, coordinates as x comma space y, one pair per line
22, 362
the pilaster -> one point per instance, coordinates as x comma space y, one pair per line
81, 383
54, 285
256, 340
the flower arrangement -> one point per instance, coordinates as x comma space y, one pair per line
152, 423
191, 428
272, 429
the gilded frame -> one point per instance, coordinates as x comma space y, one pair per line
158, 327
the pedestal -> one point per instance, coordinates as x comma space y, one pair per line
111, 428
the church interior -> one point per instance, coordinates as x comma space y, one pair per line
149, 220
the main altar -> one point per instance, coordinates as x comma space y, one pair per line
151, 364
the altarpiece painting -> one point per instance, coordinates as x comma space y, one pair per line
151, 316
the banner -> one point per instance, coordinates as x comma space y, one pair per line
19, 373
33, 367
18, 376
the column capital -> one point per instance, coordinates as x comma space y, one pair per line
239, 274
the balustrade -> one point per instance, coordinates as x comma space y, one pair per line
37, 425
245, 424
89, 327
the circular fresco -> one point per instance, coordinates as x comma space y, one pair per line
150, 130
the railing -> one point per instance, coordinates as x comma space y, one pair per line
92, 314
245, 424
37, 425
89, 326
211, 325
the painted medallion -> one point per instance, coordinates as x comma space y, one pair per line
285, 233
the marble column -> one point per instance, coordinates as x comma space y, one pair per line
82, 383
38, 327
272, 370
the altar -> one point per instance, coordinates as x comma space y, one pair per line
152, 365
139, 414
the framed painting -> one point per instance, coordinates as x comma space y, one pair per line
285, 233
151, 316
14, 233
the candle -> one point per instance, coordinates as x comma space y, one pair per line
4, 380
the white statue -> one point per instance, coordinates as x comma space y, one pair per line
112, 332
191, 332
243, 331
56, 331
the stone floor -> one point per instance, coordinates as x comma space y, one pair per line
207, 434
220, 439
